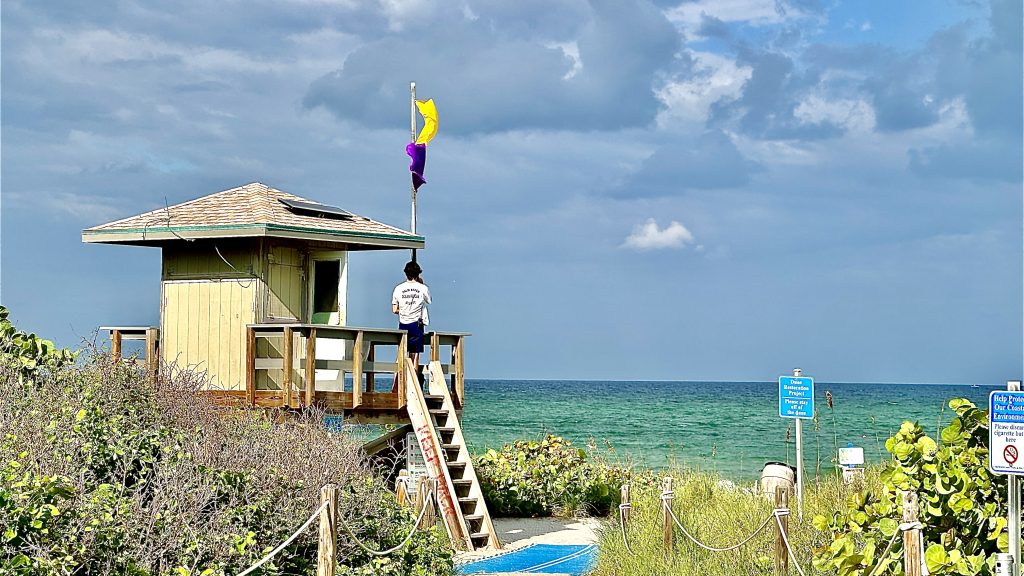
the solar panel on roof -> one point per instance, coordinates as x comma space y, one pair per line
315, 209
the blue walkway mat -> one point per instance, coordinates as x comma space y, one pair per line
577, 560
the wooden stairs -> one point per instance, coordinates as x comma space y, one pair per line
439, 433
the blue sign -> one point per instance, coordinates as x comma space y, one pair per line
796, 397
1006, 432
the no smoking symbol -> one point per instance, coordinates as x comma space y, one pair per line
1010, 454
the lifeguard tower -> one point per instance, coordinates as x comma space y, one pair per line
253, 295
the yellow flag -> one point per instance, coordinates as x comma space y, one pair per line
429, 113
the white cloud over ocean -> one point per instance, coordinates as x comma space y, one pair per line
648, 236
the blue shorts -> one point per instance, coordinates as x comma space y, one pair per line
415, 331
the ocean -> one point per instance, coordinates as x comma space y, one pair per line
732, 428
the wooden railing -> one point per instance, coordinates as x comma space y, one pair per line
290, 352
151, 334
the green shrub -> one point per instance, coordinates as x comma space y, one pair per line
105, 473
962, 508
27, 354
531, 478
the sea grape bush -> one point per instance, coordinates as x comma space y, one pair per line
26, 353
550, 476
962, 507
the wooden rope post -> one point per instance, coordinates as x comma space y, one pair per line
310, 366
911, 538
115, 345
624, 501
250, 366
152, 353
666, 515
328, 541
423, 500
781, 528
402, 487
289, 358
435, 347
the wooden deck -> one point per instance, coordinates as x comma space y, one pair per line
284, 368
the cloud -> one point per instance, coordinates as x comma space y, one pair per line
489, 77
648, 236
708, 162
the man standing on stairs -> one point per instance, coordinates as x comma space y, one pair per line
409, 301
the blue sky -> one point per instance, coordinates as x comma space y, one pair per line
704, 189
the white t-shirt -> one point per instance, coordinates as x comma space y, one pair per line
412, 299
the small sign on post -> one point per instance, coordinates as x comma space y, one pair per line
796, 397
1006, 432
796, 400
1005, 442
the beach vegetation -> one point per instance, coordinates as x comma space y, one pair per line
104, 471
962, 507
720, 514
548, 477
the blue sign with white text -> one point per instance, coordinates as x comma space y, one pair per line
796, 397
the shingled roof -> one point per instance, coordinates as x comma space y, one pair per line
250, 211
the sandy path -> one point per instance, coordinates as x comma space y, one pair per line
516, 533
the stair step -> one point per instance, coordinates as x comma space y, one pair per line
445, 430
451, 446
461, 465
433, 397
459, 483
438, 412
468, 500
479, 535
473, 517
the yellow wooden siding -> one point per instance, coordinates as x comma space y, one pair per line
285, 284
204, 327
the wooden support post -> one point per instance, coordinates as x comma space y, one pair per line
371, 377
403, 357
152, 353
289, 358
459, 380
310, 366
624, 501
250, 366
357, 370
115, 345
435, 347
781, 527
666, 516
912, 553
326, 557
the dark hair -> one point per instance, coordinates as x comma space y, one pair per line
412, 270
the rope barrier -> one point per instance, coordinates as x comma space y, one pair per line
622, 525
727, 548
348, 530
904, 527
284, 544
785, 540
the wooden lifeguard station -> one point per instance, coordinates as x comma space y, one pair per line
253, 294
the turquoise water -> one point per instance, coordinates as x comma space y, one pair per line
729, 427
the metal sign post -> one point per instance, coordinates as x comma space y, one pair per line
796, 400
1005, 447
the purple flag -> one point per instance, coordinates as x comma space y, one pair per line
418, 153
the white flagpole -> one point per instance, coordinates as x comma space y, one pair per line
412, 135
